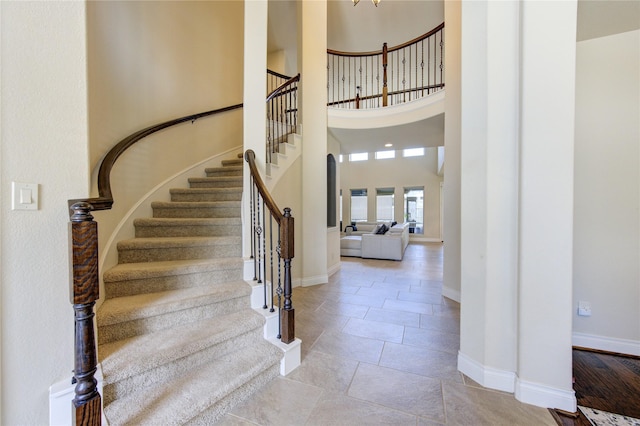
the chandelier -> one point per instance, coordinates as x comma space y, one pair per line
375, 2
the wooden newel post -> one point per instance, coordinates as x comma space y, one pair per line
385, 89
86, 405
286, 237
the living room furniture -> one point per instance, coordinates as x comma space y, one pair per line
369, 245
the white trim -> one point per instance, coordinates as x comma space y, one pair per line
318, 279
61, 395
488, 377
394, 115
451, 294
545, 396
334, 268
609, 344
414, 239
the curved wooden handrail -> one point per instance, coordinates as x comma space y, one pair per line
390, 49
250, 158
104, 201
281, 89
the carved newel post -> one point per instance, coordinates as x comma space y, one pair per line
86, 405
286, 236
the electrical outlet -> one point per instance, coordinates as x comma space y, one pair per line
584, 309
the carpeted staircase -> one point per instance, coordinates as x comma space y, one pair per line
178, 340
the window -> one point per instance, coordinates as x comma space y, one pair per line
359, 156
358, 205
413, 152
331, 191
384, 204
340, 158
381, 155
414, 209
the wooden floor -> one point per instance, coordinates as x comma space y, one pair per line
606, 382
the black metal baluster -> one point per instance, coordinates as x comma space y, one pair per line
253, 228
271, 256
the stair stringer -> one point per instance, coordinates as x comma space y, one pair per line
289, 153
291, 352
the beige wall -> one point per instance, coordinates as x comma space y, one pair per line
607, 193
150, 62
395, 173
44, 134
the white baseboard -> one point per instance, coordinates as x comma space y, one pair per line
61, 395
488, 377
333, 269
545, 396
318, 279
609, 344
451, 294
413, 238
292, 355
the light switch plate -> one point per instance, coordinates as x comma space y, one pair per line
24, 196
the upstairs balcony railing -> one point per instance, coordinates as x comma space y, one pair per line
390, 76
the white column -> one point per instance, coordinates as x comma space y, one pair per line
311, 251
255, 89
546, 204
489, 140
451, 188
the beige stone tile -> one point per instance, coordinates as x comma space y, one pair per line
425, 422
402, 279
387, 293
348, 346
466, 405
354, 299
432, 298
281, 402
393, 317
374, 330
399, 390
325, 371
432, 339
343, 309
402, 305
418, 360
397, 286
342, 410
440, 323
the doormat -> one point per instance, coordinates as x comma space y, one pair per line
604, 418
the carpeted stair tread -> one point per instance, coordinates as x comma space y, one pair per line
187, 221
194, 209
235, 162
177, 242
216, 181
133, 271
224, 171
206, 194
166, 346
180, 400
194, 204
129, 308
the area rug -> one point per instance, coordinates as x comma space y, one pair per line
604, 418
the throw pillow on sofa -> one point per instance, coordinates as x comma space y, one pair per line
382, 230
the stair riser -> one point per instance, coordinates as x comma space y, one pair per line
198, 196
195, 212
234, 162
179, 367
172, 282
224, 173
189, 231
215, 183
215, 412
179, 253
124, 330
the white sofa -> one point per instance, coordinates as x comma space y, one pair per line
370, 245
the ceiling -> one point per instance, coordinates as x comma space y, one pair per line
365, 27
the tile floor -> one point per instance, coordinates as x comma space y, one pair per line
379, 346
